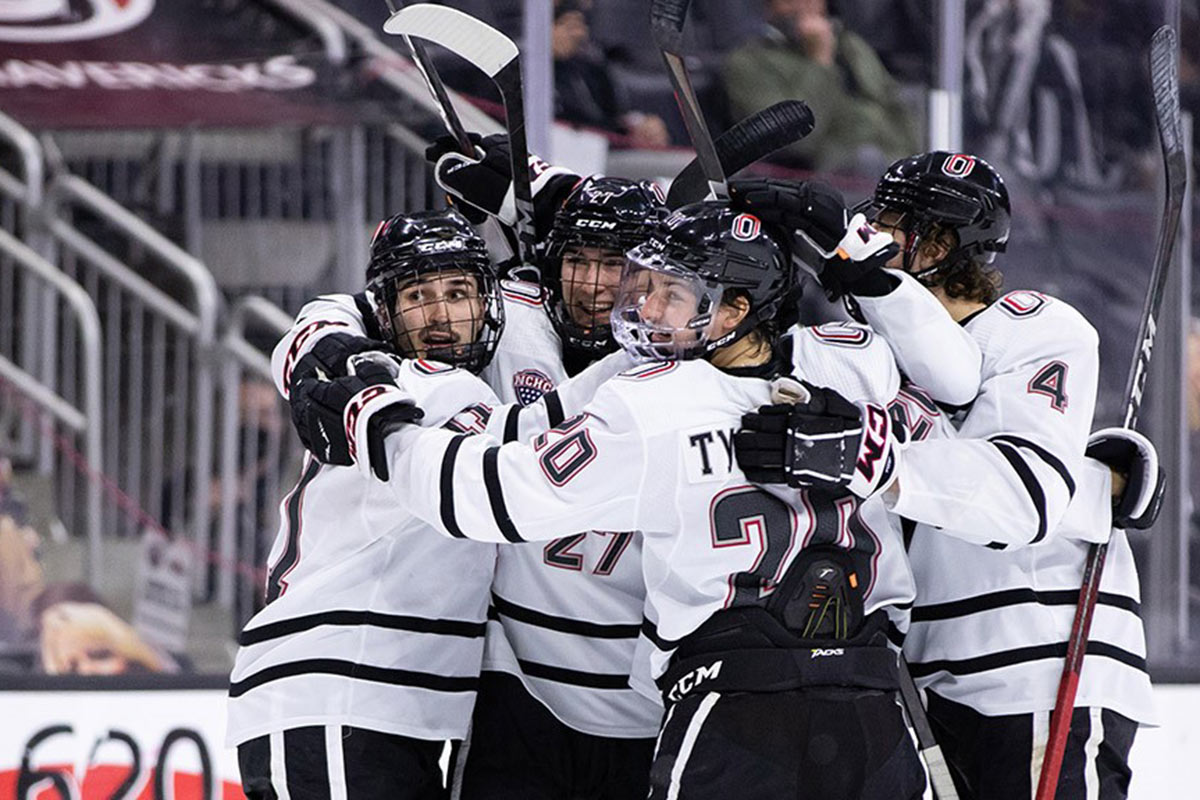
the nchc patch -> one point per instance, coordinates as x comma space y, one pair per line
530, 384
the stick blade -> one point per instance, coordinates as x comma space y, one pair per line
753, 138
460, 33
1164, 79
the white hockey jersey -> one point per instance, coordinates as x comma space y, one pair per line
990, 624
653, 452
930, 349
373, 620
565, 615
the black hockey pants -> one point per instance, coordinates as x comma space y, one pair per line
518, 750
806, 744
326, 762
995, 758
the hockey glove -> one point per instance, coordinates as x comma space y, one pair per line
856, 264
853, 252
325, 361
826, 442
1133, 456
482, 184
340, 414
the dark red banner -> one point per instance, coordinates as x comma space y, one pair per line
146, 63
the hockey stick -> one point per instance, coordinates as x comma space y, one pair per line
666, 26
1164, 79
752, 138
433, 81
496, 56
492, 229
931, 751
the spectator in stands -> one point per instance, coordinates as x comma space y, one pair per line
79, 635
584, 91
21, 579
803, 53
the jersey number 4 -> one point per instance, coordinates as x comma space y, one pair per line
1051, 380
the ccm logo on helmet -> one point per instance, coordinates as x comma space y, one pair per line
595, 224
444, 246
959, 165
746, 227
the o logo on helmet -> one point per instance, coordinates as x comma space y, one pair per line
959, 165
746, 227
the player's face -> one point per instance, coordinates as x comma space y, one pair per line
670, 303
438, 313
590, 278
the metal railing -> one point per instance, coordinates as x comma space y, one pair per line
259, 453
20, 202
78, 406
157, 359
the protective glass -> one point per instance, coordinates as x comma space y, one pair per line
664, 310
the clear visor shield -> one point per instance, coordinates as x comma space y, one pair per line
663, 311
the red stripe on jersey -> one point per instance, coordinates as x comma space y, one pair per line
520, 298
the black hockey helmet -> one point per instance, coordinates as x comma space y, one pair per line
705, 249
612, 215
951, 191
434, 288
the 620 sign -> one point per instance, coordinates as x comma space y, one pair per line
117, 781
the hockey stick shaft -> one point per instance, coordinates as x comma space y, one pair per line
666, 25
1164, 73
433, 81
935, 762
498, 57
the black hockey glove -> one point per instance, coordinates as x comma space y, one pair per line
823, 441
814, 209
853, 256
326, 360
338, 413
482, 185
1133, 456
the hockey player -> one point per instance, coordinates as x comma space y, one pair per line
766, 698
556, 715
992, 616
348, 682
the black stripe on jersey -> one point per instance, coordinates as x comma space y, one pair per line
361, 672
1022, 655
1051, 460
529, 616
650, 631
1031, 485
396, 622
512, 424
369, 320
495, 492
554, 408
592, 680
291, 550
1015, 597
895, 635
446, 485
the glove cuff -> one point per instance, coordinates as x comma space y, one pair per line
357, 417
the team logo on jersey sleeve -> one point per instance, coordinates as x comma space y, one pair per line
530, 384
1023, 304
